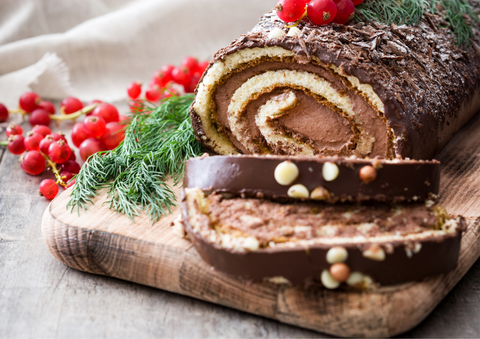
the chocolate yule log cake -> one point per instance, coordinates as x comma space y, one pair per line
315, 178
363, 89
360, 245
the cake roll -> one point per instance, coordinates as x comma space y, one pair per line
362, 89
334, 244
315, 178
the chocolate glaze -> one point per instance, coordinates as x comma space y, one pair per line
428, 84
438, 254
253, 176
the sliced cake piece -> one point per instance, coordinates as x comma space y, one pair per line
328, 179
359, 245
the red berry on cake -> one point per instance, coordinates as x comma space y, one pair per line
345, 12
321, 12
290, 10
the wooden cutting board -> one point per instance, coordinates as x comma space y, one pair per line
101, 241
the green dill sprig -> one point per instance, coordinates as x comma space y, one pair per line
156, 145
410, 12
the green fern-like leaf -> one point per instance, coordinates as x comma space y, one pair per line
156, 145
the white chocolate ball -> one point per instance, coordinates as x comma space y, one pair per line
298, 191
337, 254
328, 281
286, 173
330, 171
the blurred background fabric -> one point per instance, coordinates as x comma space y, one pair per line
93, 49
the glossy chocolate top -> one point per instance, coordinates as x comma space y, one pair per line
428, 84
253, 176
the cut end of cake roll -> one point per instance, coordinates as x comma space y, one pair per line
361, 89
262, 240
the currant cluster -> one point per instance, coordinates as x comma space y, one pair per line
160, 86
320, 12
40, 148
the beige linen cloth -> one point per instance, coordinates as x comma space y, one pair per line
93, 49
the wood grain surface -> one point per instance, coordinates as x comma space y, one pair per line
103, 242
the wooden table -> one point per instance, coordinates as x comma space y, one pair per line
40, 297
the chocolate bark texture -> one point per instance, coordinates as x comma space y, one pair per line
363, 89
357, 179
356, 245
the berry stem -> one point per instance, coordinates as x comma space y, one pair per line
75, 115
54, 169
16, 111
4, 143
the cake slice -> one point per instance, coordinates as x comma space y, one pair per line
354, 244
328, 179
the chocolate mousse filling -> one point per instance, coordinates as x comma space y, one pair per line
313, 120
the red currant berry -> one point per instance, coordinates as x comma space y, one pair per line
156, 82
45, 144
70, 166
153, 94
32, 141
78, 134
33, 162
321, 12
290, 10
66, 176
114, 135
29, 101
16, 144
307, 1
13, 129
73, 157
181, 76
39, 117
43, 130
193, 83
3, 113
134, 90
191, 63
48, 106
71, 105
345, 12
357, 2
165, 72
108, 112
71, 183
58, 136
94, 126
91, 146
202, 67
48, 189
59, 151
